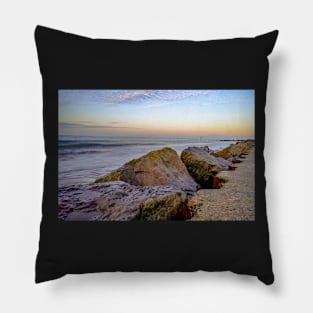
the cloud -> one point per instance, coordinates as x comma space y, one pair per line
87, 125
118, 122
146, 100
113, 97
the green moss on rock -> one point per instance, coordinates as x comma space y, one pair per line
113, 176
157, 168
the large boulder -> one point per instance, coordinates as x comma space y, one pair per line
203, 166
156, 168
234, 151
119, 201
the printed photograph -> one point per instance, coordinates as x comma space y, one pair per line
156, 155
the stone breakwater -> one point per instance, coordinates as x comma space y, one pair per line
162, 186
235, 201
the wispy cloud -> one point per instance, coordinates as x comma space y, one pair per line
118, 122
87, 125
155, 111
113, 97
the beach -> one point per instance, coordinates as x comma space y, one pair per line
234, 201
155, 154
197, 184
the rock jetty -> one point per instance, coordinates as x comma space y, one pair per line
234, 151
161, 186
235, 201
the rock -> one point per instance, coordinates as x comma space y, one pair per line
203, 166
157, 168
234, 151
203, 148
119, 201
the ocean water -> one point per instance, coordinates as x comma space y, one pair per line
84, 159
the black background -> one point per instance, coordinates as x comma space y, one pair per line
73, 62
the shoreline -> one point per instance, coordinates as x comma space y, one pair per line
234, 201
199, 185
83, 161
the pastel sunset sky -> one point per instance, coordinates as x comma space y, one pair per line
224, 113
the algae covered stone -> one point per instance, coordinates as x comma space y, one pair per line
203, 166
157, 168
234, 151
119, 201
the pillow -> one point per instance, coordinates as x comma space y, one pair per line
154, 155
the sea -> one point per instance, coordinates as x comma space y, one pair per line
82, 159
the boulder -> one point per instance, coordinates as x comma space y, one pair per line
157, 168
203, 166
119, 201
234, 151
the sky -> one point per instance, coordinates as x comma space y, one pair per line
225, 113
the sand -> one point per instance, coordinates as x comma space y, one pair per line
234, 201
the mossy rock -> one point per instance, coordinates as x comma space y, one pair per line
234, 150
170, 207
157, 168
200, 168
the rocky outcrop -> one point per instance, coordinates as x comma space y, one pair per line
234, 151
161, 167
160, 186
119, 201
203, 166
